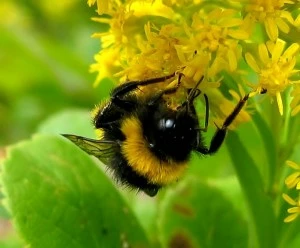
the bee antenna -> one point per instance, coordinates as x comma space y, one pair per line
194, 93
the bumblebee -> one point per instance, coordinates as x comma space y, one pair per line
145, 142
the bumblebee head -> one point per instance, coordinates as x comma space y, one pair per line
172, 134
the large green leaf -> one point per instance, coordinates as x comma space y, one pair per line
59, 197
8, 237
261, 211
269, 145
72, 121
194, 214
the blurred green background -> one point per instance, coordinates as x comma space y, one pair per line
45, 52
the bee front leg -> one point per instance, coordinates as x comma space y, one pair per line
167, 91
118, 95
220, 134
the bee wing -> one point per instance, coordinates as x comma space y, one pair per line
102, 149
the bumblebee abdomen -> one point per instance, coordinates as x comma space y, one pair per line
126, 175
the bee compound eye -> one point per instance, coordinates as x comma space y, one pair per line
164, 124
169, 123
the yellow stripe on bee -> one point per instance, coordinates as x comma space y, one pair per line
142, 160
99, 133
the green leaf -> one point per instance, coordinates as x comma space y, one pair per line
231, 189
8, 236
194, 214
71, 121
4, 215
59, 197
261, 211
269, 145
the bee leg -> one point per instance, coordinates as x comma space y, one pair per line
159, 95
204, 129
118, 94
167, 91
192, 95
220, 134
122, 102
151, 190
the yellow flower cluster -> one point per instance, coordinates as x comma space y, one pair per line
274, 66
233, 44
293, 182
152, 38
271, 13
